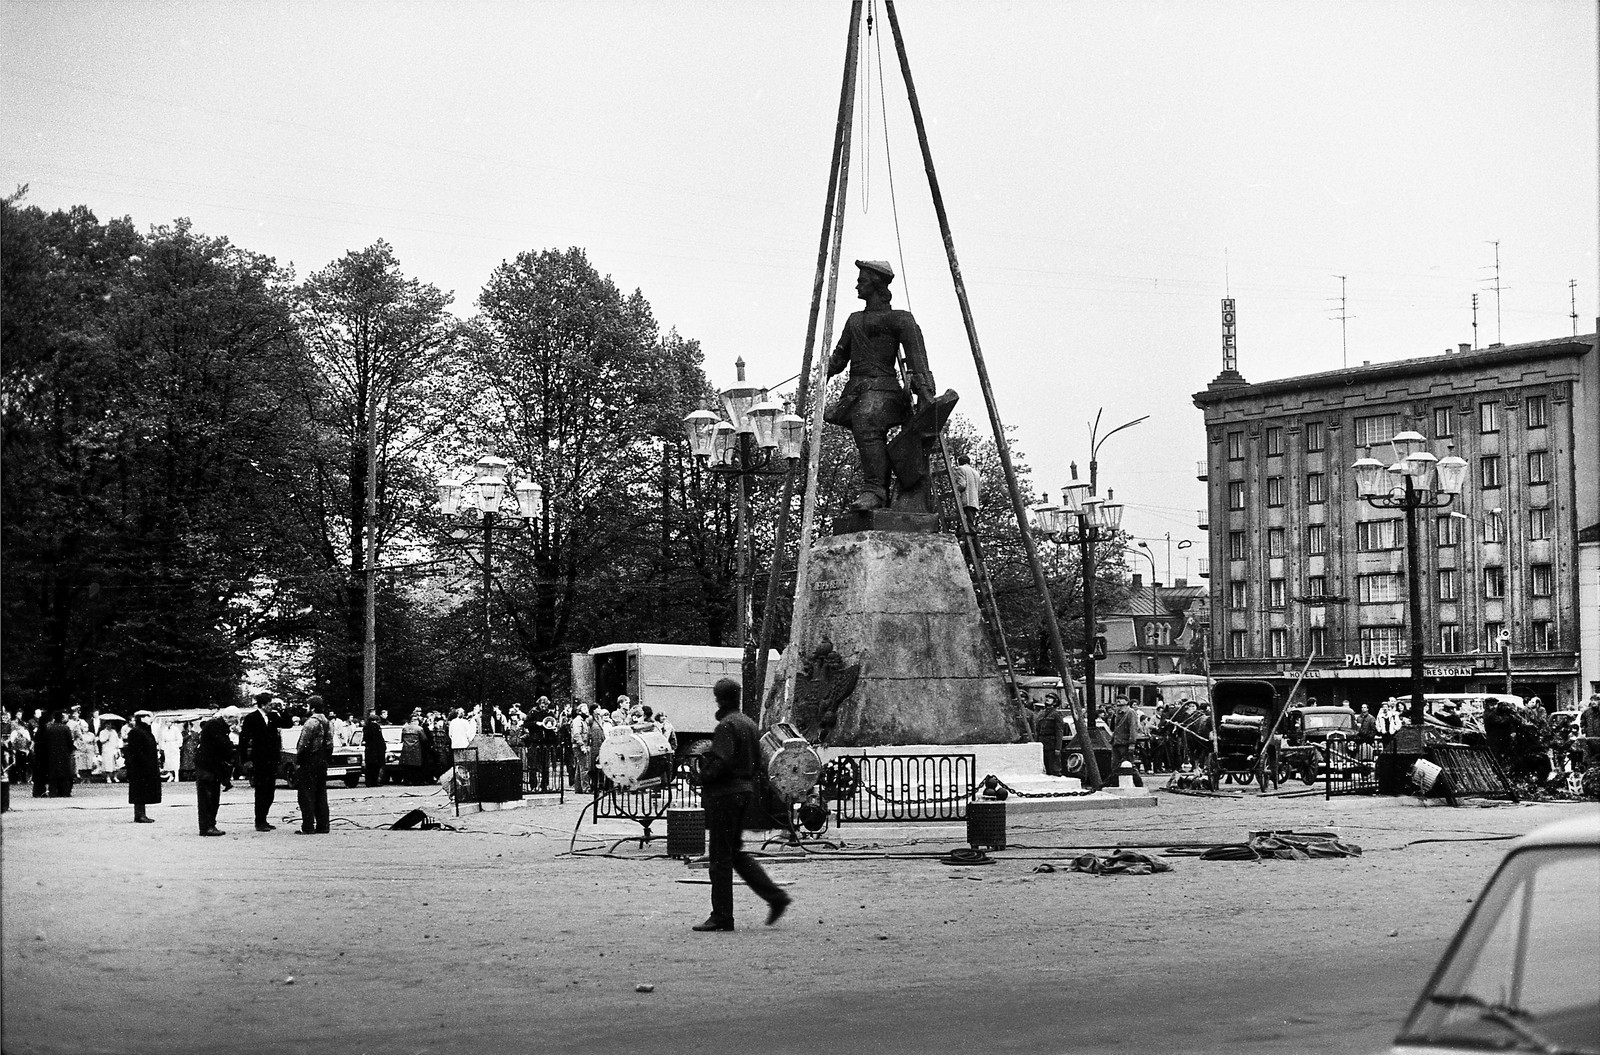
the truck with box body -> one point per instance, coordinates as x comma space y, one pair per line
674, 680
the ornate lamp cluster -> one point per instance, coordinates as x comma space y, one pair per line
774, 431
1080, 515
1416, 478
487, 491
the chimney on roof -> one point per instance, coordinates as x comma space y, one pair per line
1464, 347
1138, 580
1180, 583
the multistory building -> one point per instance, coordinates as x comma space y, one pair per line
1304, 571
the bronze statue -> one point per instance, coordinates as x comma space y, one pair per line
874, 400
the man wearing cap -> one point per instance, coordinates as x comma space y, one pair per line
142, 758
313, 752
1047, 728
874, 400
261, 744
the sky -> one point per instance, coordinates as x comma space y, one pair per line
1110, 172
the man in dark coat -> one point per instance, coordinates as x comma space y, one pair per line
54, 768
373, 748
261, 744
313, 752
1047, 727
726, 774
142, 758
213, 766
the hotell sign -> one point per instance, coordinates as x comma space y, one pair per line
1390, 659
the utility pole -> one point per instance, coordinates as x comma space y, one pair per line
1572, 297
1474, 322
1499, 334
1343, 318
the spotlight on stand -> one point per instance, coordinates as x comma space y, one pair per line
637, 757
792, 766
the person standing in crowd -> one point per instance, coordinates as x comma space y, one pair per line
56, 765
1047, 729
85, 754
373, 749
20, 741
170, 736
667, 730
412, 767
462, 729
312, 754
1100, 741
1124, 737
213, 766
108, 758
143, 760
581, 759
1589, 729
261, 745
726, 771
186, 753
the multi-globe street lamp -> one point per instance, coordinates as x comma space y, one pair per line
1415, 480
1084, 520
757, 438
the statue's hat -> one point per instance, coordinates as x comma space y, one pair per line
879, 266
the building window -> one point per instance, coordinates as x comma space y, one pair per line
1449, 584
1449, 638
1278, 640
1274, 441
1489, 417
1378, 534
1236, 446
1236, 494
1274, 490
1316, 586
1236, 646
1277, 593
1538, 524
1316, 488
1494, 581
1534, 411
1316, 538
1379, 428
1491, 637
1317, 640
1448, 529
1444, 422
1236, 546
1275, 546
1238, 595
1489, 471
1538, 467
1382, 588
1494, 526
1381, 640
1544, 637
1541, 579
1316, 439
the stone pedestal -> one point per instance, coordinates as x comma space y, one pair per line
902, 606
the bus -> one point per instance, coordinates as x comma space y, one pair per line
1146, 691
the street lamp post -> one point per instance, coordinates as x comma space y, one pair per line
1143, 550
1083, 520
757, 438
1416, 480
497, 772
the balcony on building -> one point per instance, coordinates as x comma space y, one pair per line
1200, 471
1203, 520
1205, 567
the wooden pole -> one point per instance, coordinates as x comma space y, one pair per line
841, 149
819, 377
1091, 771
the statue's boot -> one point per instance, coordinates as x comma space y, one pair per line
874, 477
867, 500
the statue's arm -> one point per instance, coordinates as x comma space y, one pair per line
916, 358
841, 351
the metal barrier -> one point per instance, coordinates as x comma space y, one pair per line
648, 806
1346, 774
544, 770
901, 787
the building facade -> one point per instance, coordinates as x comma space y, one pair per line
1305, 571
1156, 629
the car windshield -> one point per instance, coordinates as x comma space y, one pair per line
1327, 721
1525, 972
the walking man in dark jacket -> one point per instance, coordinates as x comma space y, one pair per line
213, 766
143, 760
312, 755
726, 774
261, 744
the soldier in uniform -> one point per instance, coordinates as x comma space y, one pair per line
874, 400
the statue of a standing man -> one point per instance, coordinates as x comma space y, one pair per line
874, 400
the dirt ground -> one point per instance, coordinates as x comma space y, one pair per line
495, 938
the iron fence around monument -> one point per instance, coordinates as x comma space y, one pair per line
1346, 773
904, 788
611, 801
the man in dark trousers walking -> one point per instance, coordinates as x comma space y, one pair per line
312, 755
261, 744
726, 774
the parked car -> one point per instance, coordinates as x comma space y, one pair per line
1523, 972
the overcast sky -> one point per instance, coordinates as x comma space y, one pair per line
1111, 170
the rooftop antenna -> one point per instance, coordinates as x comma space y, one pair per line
1572, 296
1343, 317
1474, 322
1499, 335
